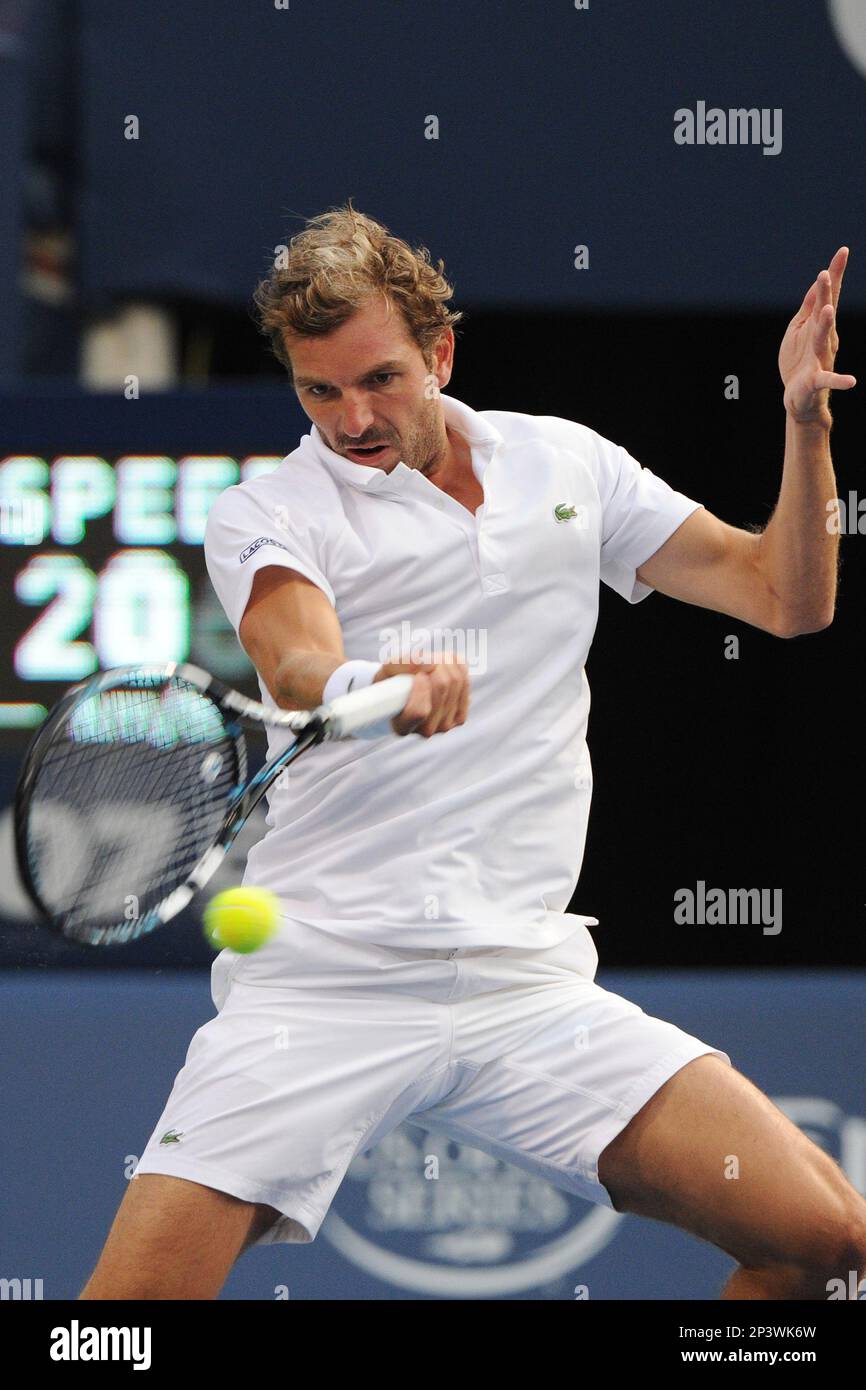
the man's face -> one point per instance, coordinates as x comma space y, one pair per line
367, 383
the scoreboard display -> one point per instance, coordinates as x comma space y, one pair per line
102, 566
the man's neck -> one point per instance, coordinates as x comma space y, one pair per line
455, 475
455, 463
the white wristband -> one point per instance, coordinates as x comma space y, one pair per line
356, 675
352, 675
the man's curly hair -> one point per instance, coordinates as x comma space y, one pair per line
338, 263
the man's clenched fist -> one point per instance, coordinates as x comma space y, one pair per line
439, 698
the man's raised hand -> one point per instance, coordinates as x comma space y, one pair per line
808, 352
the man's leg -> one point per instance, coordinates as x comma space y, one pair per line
174, 1239
790, 1218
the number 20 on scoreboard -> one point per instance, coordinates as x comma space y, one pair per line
135, 603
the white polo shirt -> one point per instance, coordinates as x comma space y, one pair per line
474, 837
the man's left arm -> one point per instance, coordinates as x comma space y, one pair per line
782, 579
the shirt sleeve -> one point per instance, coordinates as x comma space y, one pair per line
639, 513
243, 535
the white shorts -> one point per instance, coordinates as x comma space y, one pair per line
322, 1046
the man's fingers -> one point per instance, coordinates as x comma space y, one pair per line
823, 330
805, 308
834, 381
417, 708
446, 685
463, 710
816, 295
444, 697
823, 295
837, 271
439, 701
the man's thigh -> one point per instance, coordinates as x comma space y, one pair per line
174, 1239
712, 1154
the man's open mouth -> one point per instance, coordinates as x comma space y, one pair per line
371, 451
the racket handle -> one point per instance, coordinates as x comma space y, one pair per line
377, 703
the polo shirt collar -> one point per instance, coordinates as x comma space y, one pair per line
483, 437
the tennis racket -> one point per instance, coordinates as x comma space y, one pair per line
137, 783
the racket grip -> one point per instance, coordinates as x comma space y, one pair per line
360, 709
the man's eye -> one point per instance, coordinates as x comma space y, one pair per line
381, 379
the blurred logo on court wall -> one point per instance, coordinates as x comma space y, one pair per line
848, 19
429, 644
476, 1227
423, 1212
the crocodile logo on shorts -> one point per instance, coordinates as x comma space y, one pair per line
563, 512
171, 1136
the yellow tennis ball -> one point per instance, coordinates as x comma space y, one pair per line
241, 918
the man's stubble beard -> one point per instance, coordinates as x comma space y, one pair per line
426, 446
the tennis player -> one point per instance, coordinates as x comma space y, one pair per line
427, 967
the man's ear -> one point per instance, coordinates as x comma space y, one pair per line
442, 357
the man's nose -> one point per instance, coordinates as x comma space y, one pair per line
357, 419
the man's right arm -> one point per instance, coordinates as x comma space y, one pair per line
292, 635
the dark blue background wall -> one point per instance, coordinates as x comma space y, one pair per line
556, 128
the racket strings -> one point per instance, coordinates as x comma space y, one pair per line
128, 797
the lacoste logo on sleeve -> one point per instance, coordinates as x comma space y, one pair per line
563, 512
262, 540
171, 1136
